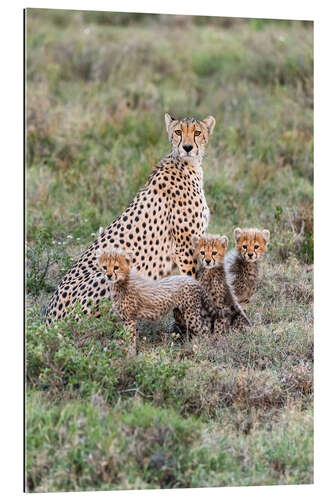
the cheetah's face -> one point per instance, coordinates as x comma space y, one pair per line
251, 243
210, 250
189, 136
114, 265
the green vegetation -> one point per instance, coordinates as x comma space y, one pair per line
237, 410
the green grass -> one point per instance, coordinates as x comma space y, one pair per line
211, 412
88, 445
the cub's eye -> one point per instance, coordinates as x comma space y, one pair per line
214, 253
245, 247
256, 247
197, 132
104, 267
115, 268
178, 132
202, 252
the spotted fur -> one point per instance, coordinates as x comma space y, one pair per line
242, 263
135, 298
156, 228
209, 251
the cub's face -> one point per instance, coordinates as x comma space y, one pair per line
251, 244
115, 266
210, 250
189, 136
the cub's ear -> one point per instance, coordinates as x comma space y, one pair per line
266, 235
210, 123
168, 120
224, 241
237, 233
101, 230
98, 253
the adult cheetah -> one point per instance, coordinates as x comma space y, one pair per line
158, 226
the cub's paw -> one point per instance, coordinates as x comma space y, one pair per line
176, 333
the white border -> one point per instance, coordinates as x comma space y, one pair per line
11, 227
283, 9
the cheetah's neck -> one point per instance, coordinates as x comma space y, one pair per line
242, 270
196, 162
119, 289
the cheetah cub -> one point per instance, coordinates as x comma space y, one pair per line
209, 251
135, 297
242, 263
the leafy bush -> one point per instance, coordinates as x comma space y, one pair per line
41, 258
70, 355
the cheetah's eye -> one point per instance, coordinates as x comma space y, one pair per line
197, 132
115, 268
104, 267
256, 247
214, 253
245, 247
202, 252
178, 132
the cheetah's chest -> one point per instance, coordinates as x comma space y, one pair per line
205, 209
205, 212
213, 281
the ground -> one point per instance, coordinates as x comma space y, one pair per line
233, 411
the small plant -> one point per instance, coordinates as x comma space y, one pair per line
75, 355
41, 259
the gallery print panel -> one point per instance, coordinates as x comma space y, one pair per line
169, 251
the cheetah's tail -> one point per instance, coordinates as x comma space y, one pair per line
241, 311
237, 307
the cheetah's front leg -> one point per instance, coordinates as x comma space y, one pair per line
220, 326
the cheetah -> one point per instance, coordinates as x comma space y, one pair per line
209, 250
242, 263
134, 297
156, 228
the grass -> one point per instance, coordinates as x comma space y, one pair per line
237, 410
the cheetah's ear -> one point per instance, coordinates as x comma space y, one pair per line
98, 253
224, 241
210, 123
266, 235
237, 233
168, 120
101, 230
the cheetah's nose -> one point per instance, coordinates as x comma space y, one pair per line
187, 147
109, 276
250, 255
208, 261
